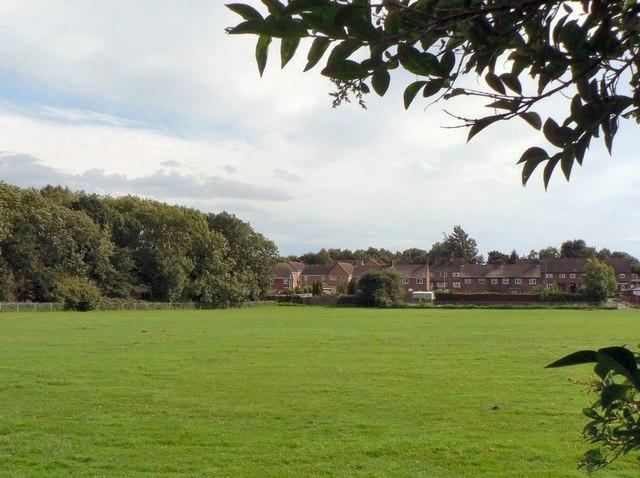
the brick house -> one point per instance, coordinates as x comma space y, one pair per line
444, 272
340, 273
566, 273
452, 274
518, 278
287, 276
415, 277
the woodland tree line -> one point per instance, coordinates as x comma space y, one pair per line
59, 245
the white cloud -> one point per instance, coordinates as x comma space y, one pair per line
153, 98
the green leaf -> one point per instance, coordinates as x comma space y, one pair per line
575, 358
531, 159
318, 48
380, 81
345, 70
245, 11
481, 124
288, 47
510, 105
613, 392
448, 61
343, 50
262, 50
432, 87
532, 118
455, 92
566, 162
581, 146
274, 6
512, 82
250, 26
605, 125
411, 91
423, 64
297, 6
619, 359
548, 169
494, 82
591, 413
392, 22
556, 135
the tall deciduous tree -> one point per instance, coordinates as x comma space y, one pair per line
525, 51
576, 249
457, 244
598, 280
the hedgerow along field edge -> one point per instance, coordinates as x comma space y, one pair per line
298, 391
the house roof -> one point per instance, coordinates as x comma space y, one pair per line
448, 264
283, 270
500, 270
566, 264
346, 266
316, 269
411, 270
360, 270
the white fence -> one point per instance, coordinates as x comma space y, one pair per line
124, 305
30, 306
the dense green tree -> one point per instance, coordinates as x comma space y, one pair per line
576, 249
251, 255
322, 257
526, 52
414, 256
598, 280
57, 244
549, 253
460, 244
381, 288
497, 257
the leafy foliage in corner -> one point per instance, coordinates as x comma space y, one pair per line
526, 51
614, 418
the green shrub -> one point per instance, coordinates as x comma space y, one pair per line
381, 289
78, 293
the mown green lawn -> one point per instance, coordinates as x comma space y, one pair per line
299, 391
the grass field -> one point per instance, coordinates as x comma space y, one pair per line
299, 391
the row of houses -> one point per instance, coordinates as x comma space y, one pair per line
451, 274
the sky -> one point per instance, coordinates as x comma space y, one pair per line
153, 98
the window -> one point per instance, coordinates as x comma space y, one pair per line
517, 281
481, 281
467, 281
533, 281
549, 275
405, 280
572, 276
432, 274
441, 285
621, 276
505, 280
420, 281
455, 274
343, 277
332, 277
443, 274
562, 276
494, 281
456, 284
285, 281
